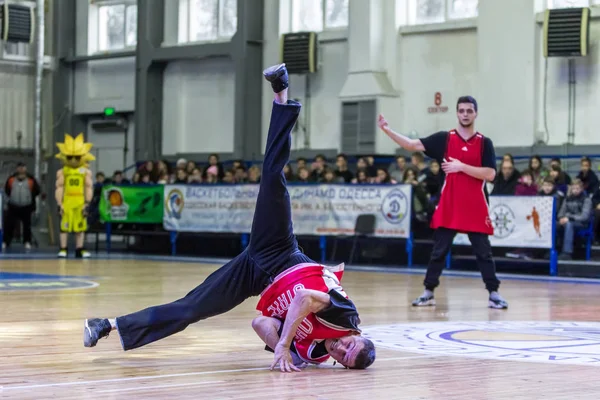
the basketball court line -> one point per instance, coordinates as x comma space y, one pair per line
201, 373
158, 387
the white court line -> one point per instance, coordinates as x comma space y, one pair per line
149, 377
158, 387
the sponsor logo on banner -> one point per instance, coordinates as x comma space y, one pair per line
395, 207
503, 220
564, 342
174, 203
117, 207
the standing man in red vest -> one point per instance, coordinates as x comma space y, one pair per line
469, 160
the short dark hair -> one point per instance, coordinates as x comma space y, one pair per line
321, 156
117, 172
300, 159
466, 100
418, 155
586, 159
366, 356
342, 155
100, 174
549, 179
556, 159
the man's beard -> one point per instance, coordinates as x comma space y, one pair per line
470, 124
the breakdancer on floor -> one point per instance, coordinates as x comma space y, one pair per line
306, 315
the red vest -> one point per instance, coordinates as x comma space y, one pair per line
463, 205
277, 297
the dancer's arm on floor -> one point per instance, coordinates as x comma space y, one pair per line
267, 328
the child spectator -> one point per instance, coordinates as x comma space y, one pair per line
526, 186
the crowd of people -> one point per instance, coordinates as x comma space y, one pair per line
578, 198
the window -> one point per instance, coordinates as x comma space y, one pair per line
207, 20
314, 15
17, 51
436, 11
358, 127
117, 26
571, 3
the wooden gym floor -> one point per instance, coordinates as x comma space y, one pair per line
459, 349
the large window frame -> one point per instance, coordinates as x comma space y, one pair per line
102, 32
287, 20
408, 9
187, 13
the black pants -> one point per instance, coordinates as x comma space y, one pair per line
13, 215
442, 241
272, 249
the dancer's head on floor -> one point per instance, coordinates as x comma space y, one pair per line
353, 351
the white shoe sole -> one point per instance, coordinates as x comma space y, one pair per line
493, 305
425, 303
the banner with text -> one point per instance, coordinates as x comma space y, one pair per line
142, 204
316, 209
519, 221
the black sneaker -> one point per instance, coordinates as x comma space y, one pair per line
424, 300
497, 303
278, 76
94, 330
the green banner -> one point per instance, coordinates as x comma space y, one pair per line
142, 204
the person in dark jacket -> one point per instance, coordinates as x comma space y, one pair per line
588, 177
549, 188
526, 185
575, 213
21, 190
507, 180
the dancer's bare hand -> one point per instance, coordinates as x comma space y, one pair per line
452, 165
283, 356
382, 123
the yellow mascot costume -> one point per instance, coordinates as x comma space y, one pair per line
74, 191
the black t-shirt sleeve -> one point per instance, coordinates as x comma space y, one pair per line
489, 155
435, 145
341, 312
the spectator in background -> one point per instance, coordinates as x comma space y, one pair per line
228, 177
508, 157
145, 179
397, 169
537, 170
119, 179
559, 177
435, 180
329, 176
195, 176
557, 162
318, 168
588, 177
342, 171
303, 175
549, 188
507, 180
383, 177
526, 185
190, 167
148, 169
361, 165
300, 163
371, 169
136, 179
213, 161
288, 172
21, 190
418, 160
181, 176
361, 177
237, 164
420, 202
240, 175
212, 174
574, 214
180, 164
254, 174
596, 203
164, 178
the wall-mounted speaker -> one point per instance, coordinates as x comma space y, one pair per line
299, 52
566, 32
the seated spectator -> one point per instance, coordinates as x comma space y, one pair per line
303, 175
189, 167
556, 161
164, 178
342, 171
361, 165
418, 160
588, 177
549, 188
420, 202
329, 176
397, 169
318, 168
237, 164
212, 174
181, 163
213, 161
119, 179
240, 175
136, 179
507, 180
383, 177
508, 157
435, 180
574, 214
288, 172
559, 177
300, 163
181, 176
195, 177
361, 177
526, 186
596, 203
254, 174
371, 169
145, 179
537, 170
228, 177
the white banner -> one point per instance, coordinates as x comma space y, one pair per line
519, 221
316, 209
